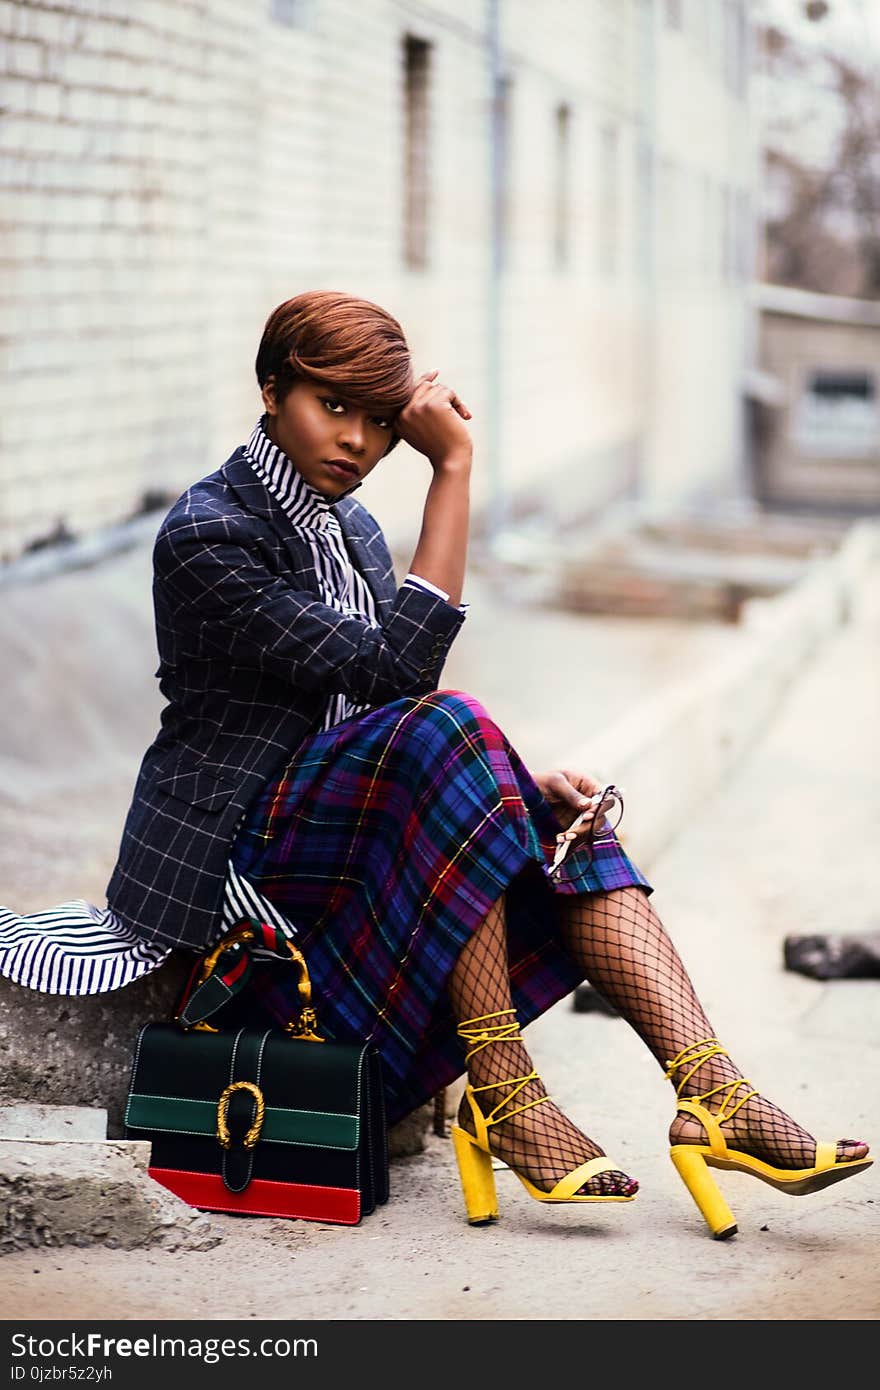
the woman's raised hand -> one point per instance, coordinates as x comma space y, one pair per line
432, 421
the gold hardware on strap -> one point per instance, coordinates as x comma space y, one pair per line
253, 1133
305, 1025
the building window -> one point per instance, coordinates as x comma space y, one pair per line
837, 414
708, 248
745, 250
737, 238
609, 199
501, 193
673, 13
644, 209
668, 218
700, 20
735, 42
294, 14
562, 188
725, 234
417, 63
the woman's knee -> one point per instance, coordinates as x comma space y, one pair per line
460, 705
443, 720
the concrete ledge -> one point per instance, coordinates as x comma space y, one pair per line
78, 1051
91, 1193
82, 552
66, 1122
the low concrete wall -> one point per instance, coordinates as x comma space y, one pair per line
64, 1051
673, 751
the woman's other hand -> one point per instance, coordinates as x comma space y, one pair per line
568, 794
432, 421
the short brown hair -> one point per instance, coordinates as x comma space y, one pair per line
343, 342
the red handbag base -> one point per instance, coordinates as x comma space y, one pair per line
207, 1191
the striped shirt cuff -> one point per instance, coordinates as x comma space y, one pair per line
415, 581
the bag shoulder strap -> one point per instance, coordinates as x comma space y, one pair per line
226, 968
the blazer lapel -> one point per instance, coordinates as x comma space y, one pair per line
363, 561
253, 493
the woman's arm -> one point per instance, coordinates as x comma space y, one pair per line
222, 602
432, 422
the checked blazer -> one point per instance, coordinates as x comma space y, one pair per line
248, 656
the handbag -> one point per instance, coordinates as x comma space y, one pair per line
262, 1121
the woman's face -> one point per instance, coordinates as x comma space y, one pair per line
332, 443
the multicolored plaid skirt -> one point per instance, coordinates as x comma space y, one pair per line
386, 841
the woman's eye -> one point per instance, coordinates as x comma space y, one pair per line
337, 407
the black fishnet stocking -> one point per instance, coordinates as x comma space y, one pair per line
619, 942
541, 1143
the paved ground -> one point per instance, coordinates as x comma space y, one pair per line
788, 846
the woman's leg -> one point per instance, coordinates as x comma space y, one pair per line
619, 942
540, 1142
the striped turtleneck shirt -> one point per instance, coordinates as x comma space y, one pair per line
313, 515
78, 948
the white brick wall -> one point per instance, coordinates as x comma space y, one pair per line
170, 170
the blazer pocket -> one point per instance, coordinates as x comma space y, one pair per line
195, 785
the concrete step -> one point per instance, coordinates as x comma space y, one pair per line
62, 1122
87, 1192
693, 568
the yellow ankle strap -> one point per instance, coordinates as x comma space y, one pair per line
481, 1031
692, 1058
519, 1084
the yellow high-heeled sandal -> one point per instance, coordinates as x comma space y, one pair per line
693, 1161
472, 1150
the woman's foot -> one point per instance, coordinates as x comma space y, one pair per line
541, 1142
758, 1127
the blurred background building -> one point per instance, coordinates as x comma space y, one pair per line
557, 201
816, 390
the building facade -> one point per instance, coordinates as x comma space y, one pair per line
555, 200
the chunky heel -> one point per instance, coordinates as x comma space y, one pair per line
477, 1179
472, 1150
694, 1173
693, 1161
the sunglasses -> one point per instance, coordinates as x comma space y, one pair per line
607, 808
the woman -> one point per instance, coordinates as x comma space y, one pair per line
308, 768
